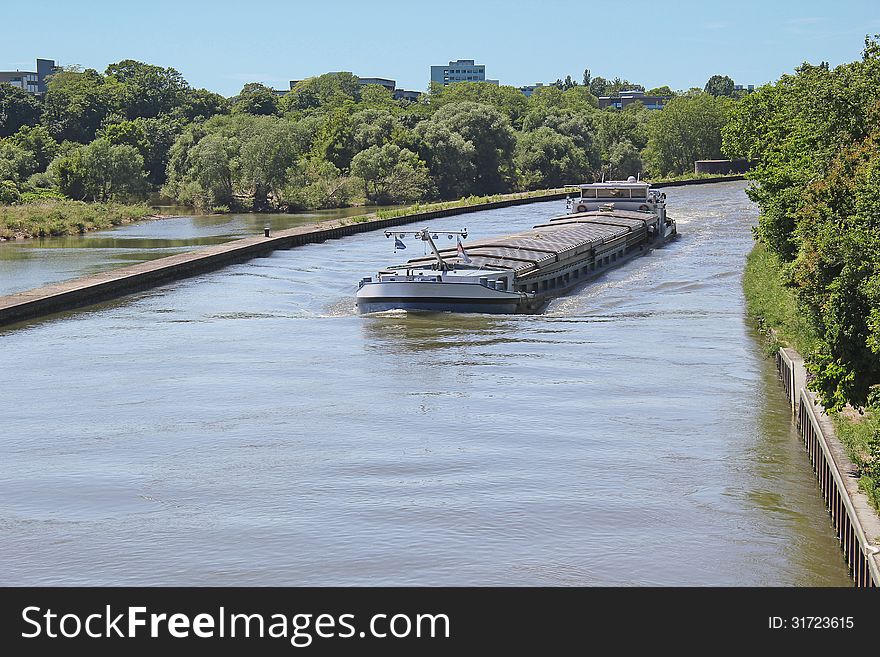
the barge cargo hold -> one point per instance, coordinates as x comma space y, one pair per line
522, 273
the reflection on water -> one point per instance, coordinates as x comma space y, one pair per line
249, 427
25, 264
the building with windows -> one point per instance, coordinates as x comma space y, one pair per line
34, 82
624, 98
390, 85
462, 70
529, 89
744, 88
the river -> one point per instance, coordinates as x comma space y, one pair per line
246, 427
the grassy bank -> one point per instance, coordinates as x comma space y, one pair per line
65, 217
445, 205
772, 305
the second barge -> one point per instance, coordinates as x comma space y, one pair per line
607, 224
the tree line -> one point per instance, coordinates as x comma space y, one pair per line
815, 138
331, 142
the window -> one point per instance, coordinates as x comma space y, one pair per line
614, 192
588, 193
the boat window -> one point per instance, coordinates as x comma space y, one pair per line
588, 193
613, 192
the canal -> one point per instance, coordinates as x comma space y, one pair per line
30, 263
247, 427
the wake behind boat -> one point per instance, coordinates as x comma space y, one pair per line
606, 224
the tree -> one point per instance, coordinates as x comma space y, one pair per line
328, 90
37, 141
235, 160
492, 139
67, 171
255, 98
587, 79
599, 86
451, 158
624, 160
376, 95
315, 183
661, 91
268, 148
814, 138
506, 99
152, 137
392, 174
546, 158
686, 130
16, 163
17, 108
77, 102
719, 85
371, 127
147, 90
113, 172
200, 104
629, 124
579, 126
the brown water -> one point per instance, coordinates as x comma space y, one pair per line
247, 427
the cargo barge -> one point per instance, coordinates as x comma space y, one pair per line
606, 224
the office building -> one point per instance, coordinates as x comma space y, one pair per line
624, 98
462, 70
34, 82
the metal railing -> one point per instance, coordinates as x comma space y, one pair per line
859, 553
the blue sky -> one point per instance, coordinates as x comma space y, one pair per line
221, 45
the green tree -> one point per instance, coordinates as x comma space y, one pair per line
391, 174
152, 137
624, 160
77, 102
17, 108
255, 98
579, 126
452, 158
371, 127
719, 85
147, 90
506, 99
16, 162
200, 104
37, 141
814, 138
376, 95
686, 130
68, 172
316, 183
546, 158
113, 172
599, 86
328, 90
491, 138
661, 91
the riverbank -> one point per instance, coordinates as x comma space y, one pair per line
774, 308
66, 217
